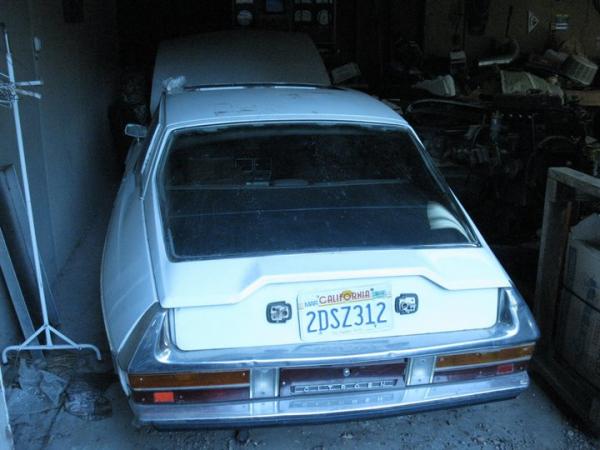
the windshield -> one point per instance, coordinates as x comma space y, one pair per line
266, 189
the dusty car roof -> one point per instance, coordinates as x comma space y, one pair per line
239, 57
257, 103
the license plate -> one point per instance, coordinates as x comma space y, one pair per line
328, 314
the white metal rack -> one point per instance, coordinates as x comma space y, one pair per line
9, 97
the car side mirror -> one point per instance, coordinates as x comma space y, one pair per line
136, 131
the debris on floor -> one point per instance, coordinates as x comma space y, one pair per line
37, 392
36, 381
85, 399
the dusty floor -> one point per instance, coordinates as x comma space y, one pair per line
531, 421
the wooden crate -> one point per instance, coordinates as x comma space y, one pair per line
564, 188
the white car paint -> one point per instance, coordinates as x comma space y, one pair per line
127, 283
440, 310
131, 285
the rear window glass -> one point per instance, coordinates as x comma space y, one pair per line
249, 190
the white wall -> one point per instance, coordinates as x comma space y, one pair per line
66, 134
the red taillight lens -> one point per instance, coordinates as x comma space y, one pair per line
163, 397
449, 376
191, 396
505, 369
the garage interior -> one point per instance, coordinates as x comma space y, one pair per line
499, 92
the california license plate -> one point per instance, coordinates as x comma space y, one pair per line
328, 314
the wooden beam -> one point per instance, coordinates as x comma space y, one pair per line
578, 394
555, 230
577, 180
10, 193
16, 295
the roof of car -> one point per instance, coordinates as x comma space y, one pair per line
229, 104
239, 57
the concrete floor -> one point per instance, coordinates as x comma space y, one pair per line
531, 421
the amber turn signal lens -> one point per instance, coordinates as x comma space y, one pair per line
196, 379
468, 359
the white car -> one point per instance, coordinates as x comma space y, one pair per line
282, 250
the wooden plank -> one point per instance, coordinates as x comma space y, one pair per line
555, 230
10, 193
582, 182
16, 295
19, 206
580, 396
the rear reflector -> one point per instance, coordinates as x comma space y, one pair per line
505, 369
191, 396
178, 380
163, 397
469, 359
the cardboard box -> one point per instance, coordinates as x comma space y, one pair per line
578, 336
582, 265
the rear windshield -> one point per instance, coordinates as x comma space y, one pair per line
250, 190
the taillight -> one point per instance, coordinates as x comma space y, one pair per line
449, 376
163, 397
191, 379
469, 366
467, 359
191, 396
191, 387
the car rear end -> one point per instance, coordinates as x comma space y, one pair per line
320, 382
310, 272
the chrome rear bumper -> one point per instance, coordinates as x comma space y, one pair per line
327, 408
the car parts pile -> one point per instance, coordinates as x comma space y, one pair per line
495, 154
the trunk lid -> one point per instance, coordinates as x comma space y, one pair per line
330, 296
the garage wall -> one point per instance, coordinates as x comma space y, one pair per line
66, 134
584, 25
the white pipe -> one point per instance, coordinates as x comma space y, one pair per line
25, 178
